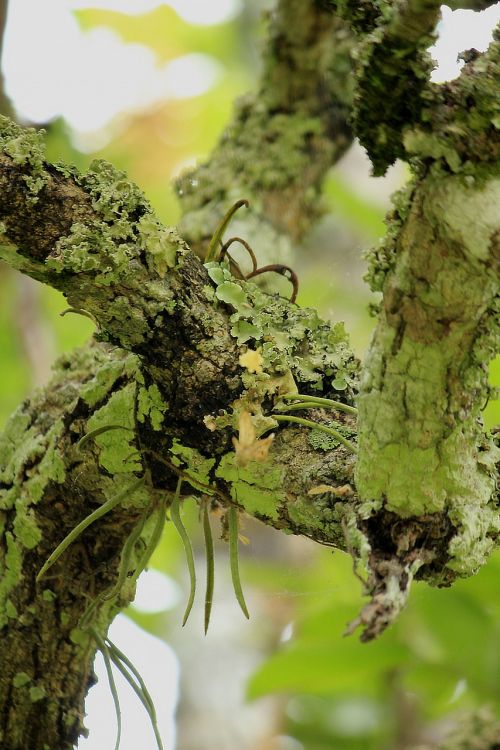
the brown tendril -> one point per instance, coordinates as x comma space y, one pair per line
225, 247
285, 271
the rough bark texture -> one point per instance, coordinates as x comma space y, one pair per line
186, 357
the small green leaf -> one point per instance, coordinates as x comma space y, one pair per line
216, 273
231, 294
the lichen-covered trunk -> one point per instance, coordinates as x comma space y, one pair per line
425, 379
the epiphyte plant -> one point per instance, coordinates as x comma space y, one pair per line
217, 251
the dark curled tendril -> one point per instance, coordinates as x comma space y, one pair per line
285, 271
225, 247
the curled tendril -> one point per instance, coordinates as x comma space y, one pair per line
225, 247
285, 271
78, 311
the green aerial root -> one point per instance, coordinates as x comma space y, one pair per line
103, 648
232, 517
213, 247
315, 401
175, 517
125, 564
99, 431
134, 679
209, 552
80, 528
154, 540
317, 426
78, 311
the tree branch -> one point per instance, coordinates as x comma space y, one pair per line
422, 448
283, 139
182, 392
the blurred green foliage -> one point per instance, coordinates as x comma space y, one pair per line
444, 653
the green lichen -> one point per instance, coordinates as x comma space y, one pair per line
104, 378
451, 136
163, 245
324, 442
388, 62
21, 679
107, 252
11, 567
30, 461
117, 446
150, 405
476, 730
26, 147
37, 693
25, 527
124, 244
465, 212
291, 339
196, 466
257, 487
381, 259
113, 194
283, 161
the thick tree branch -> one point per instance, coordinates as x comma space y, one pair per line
182, 393
422, 446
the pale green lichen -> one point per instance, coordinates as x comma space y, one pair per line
381, 259
113, 194
257, 487
466, 212
324, 442
11, 567
431, 145
36, 458
93, 247
124, 244
291, 339
197, 466
26, 147
37, 693
21, 679
163, 245
150, 405
116, 447
104, 378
